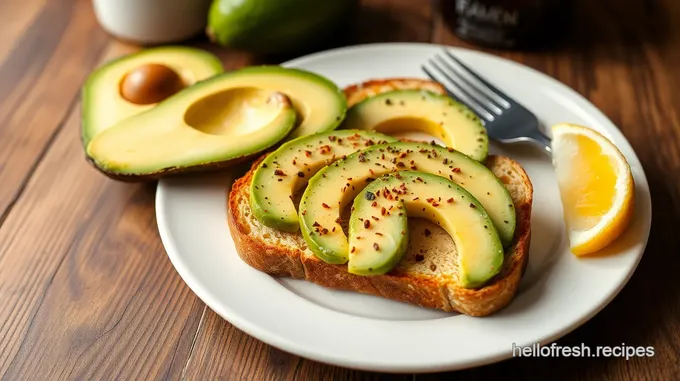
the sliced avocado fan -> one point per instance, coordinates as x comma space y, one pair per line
378, 226
335, 185
285, 171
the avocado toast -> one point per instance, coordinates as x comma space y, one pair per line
310, 221
427, 276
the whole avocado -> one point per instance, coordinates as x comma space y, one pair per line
276, 26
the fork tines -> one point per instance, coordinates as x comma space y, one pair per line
466, 86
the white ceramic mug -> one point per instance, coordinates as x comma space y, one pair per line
152, 21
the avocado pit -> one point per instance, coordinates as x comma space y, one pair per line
150, 83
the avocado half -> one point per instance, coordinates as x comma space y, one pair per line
103, 105
218, 122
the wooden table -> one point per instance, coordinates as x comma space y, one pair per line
87, 292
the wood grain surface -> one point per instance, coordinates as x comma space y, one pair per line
87, 292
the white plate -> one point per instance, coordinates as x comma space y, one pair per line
558, 293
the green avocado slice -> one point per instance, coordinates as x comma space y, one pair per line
419, 110
334, 186
102, 103
286, 170
378, 229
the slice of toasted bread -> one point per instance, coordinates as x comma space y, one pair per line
360, 91
426, 277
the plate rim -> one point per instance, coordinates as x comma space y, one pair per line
287, 345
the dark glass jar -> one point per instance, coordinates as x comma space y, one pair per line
506, 23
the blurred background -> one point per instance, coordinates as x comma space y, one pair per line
276, 30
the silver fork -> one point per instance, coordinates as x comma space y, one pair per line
505, 119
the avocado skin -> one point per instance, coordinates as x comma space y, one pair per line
172, 172
276, 26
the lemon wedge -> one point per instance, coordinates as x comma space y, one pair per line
596, 187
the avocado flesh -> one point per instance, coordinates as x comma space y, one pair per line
285, 171
419, 110
329, 186
378, 229
211, 123
102, 104
318, 103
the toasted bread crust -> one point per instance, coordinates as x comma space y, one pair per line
429, 292
360, 91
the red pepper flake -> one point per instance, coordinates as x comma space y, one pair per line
316, 224
446, 161
416, 198
301, 174
374, 204
456, 170
450, 200
401, 165
279, 172
308, 153
450, 149
413, 167
338, 220
333, 230
371, 171
325, 205
362, 157
324, 231
403, 155
419, 179
378, 233
304, 212
427, 232
353, 249
375, 218
376, 246
332, 138
383, 211
367, 224
325, 149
